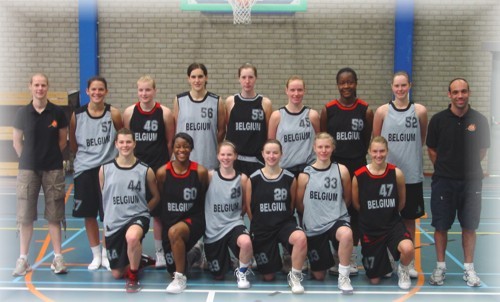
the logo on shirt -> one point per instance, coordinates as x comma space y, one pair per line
471, 127
53, 124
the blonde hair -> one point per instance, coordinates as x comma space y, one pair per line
147, 79
325, 135
295, 78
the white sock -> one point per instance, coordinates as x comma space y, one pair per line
441, 265
104, 253
296, 271
468, 266
96, 251
24, 257
57, 255
344, 270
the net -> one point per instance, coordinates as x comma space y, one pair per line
242, 11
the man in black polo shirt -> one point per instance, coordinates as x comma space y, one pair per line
457, 141
39, 136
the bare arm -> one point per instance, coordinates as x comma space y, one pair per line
127, 116
482, 153
432, 154
117, 118
168, 119
346, 184
378, 119
17, 140
422, 119
229, 106
367, 131
273, 124
268, 109
244, 181
400, 180
248, 198
323, 120
63, 138
153, 188
293, 194
73, 145
101, 177
315, 120
221, 121
355, 194
302, 181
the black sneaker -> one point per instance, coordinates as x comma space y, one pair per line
146, 261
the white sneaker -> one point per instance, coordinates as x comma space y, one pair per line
471, 278
438, 276
294, 282
95, 264
412, 271
105, 263
404, 281
22, 267
353, 270
161, 262
58, 265
345, 285
178, 285
241, 278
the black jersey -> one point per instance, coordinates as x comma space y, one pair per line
183, 196
271, 200
379, 201
247, 127
347, 126
149, 129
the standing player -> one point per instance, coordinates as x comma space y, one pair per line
323, 194
125, 182
295, 126
248, 116
201, 114
39, 137
182, 184
154, 128
378, 193
224, 208
91, 132
404, 126
270, 198
349, 120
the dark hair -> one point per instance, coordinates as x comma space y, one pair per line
401, 73
273, 141
348, 70
185, 137
194, 66
245, 66
458, 79
97, 79
125, 131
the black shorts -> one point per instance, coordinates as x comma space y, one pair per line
217, 253
266, 246
414, 206
116, 244
319, 252
88, 197
374, 250
196, 226
247, 167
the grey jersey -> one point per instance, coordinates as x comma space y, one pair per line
223, 206
95, 139
323, 200
199, 119
401, 128
123, 194
296, 134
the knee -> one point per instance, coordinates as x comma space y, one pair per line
374, 281
345, 235
299, 240
268, 277
406, 248
117, 273
245, 243
320, 276
132, 240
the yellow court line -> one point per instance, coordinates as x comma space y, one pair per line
418, 267
39, 258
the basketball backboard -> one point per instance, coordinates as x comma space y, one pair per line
261, 6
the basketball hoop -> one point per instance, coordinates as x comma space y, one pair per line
242, 10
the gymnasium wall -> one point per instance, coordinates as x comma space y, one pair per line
157, 38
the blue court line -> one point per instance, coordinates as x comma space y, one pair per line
65, 242
450, 255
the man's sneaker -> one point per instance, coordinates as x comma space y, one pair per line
22, 267
146, 261
345, 285
353, 270
58, 266
412, 271
132, 284
438, 276
471, 278
241, 278
178, 285
161, 262
294, 282
404, 281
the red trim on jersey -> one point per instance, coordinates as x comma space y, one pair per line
138, 105
188, 221
364, 169
338, 104
193, 166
